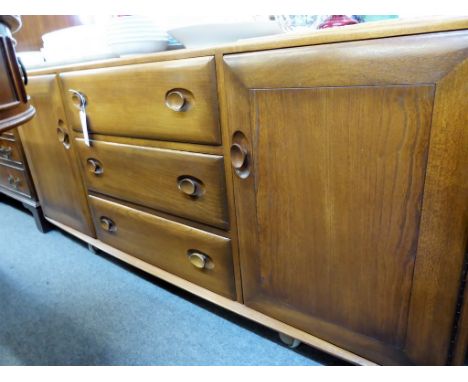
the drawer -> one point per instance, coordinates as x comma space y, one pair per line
10, 151
8, 135
159, 178
14, 179
171, 100
195, 255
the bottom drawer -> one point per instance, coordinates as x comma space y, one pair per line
200, 257
14, 179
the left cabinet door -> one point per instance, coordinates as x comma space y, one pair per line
51, 156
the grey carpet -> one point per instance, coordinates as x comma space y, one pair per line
62, 305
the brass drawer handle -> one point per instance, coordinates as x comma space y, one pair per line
189, 186
94, 166
107, 224
14, 182
200, 260
5, 152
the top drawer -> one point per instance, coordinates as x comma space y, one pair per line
171, 100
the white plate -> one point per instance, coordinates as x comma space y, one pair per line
138, 47
145, 34
64, 59
205, 35
131, 40
31, 59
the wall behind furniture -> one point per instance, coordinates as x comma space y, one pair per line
34, 26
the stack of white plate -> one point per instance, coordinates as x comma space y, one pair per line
74, 44
128, 35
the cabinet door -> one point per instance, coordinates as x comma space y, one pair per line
51, 157
351, 194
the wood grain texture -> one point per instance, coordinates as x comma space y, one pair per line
54, 169
444, 225
233, 230
339, 174
166, 244
381, 229
149, 176
130, 101
337, 228
420, 59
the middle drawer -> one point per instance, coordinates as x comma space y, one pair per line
186, 184
10, 151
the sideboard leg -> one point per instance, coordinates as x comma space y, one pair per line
41, 223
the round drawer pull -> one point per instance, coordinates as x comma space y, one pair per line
189, 186
176, 100
198, 260
238, 156
107, 224
94, 166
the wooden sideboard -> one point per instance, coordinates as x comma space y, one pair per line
315, 184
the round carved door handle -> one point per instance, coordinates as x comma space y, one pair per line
94, 166
63, 137
107, 224
176, 100
189, 186
238, 156
198, 260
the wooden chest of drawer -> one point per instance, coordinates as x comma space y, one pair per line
15, 179
186, 184
10, 151
195, 255
171, 100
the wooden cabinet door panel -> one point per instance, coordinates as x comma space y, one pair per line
337, 143
54, 167
339, 182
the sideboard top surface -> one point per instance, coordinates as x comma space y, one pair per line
365, 31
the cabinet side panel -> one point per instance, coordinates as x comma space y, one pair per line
54, 169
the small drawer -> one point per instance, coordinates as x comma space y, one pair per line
195, 255
170, 100
8, 135
10, 151
186, 184
15, 180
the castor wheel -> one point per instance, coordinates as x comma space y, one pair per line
93, 249
289, 341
